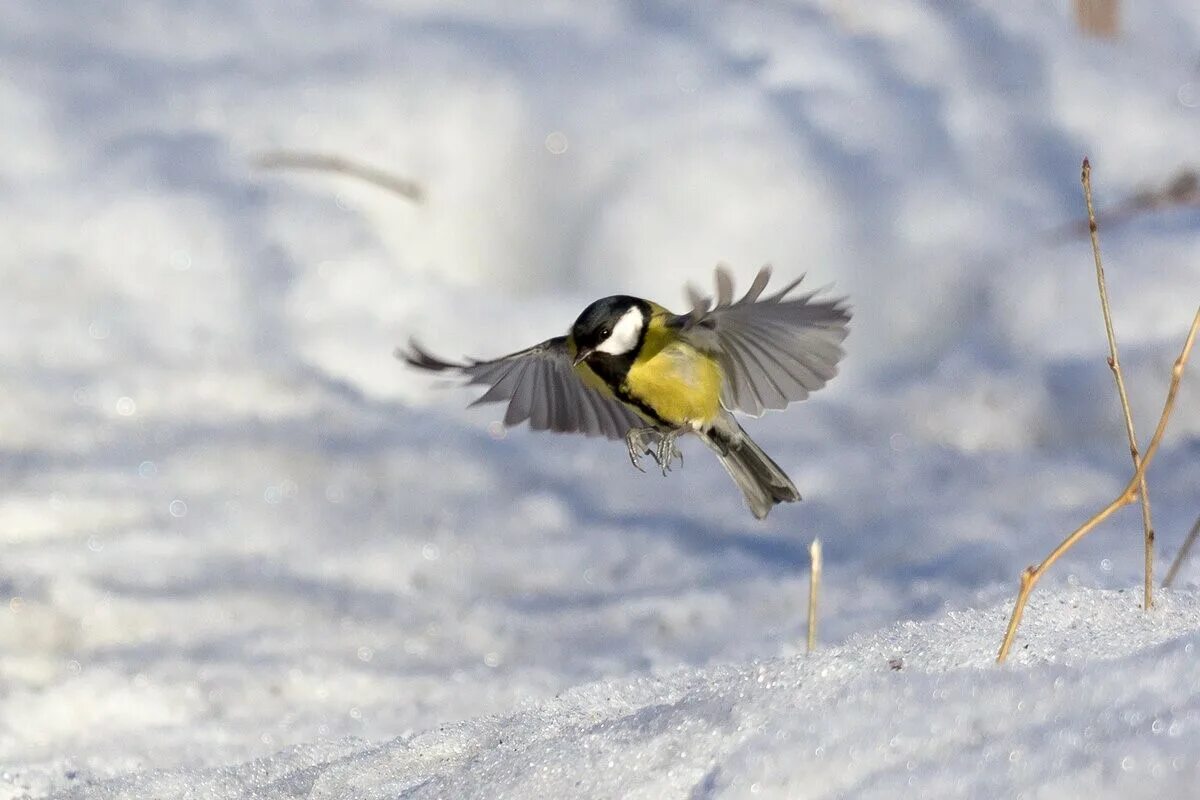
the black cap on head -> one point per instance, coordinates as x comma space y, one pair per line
596, 322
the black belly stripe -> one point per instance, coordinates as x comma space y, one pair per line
623, 393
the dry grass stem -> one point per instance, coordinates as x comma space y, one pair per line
1114, 363
814, 589
319, 162
1098, 17
1032, 575
1182, 555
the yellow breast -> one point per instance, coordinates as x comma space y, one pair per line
681, 384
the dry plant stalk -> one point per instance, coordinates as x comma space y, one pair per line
1032, 575
1114, 363
814, 589
1098, 17
319, 162
1182, 555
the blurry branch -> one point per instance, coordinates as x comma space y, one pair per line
814, 590
1182, 555
1032, 575
1183, 190
318, 162
1098, 17
1114, 364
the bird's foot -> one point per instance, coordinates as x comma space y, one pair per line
668, 451
643, 442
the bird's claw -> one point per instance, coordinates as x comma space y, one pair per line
640, 442
667, 452
654, 443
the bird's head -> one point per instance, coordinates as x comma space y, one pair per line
612, 326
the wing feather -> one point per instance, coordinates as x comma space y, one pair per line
774, 350
615, 419
764, 391
609, 416
522, 394
585, 404
540, 405
819, 359
540, 385
562, 416
789, 376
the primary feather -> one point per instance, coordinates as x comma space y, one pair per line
540, 385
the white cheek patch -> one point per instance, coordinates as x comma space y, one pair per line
625, 333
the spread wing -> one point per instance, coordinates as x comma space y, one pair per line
773, 351
540, 385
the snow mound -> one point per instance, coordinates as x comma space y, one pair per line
1099, 702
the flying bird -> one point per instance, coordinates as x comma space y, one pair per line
629, 368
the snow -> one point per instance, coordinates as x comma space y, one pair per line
915, 705
247, 553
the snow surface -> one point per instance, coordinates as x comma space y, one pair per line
235, 531
917, 707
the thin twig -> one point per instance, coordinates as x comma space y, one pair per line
1182, 555
1114, 363
814, 589
327, 163
1031, 575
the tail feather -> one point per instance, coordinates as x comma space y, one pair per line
761, 480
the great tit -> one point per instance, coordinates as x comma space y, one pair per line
631, 369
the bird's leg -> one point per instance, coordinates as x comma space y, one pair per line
668, 451
640, 442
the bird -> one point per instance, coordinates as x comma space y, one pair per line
630, 368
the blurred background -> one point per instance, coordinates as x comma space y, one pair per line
230, 521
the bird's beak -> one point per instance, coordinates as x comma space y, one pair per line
582, 355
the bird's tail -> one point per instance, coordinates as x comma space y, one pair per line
761, 480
